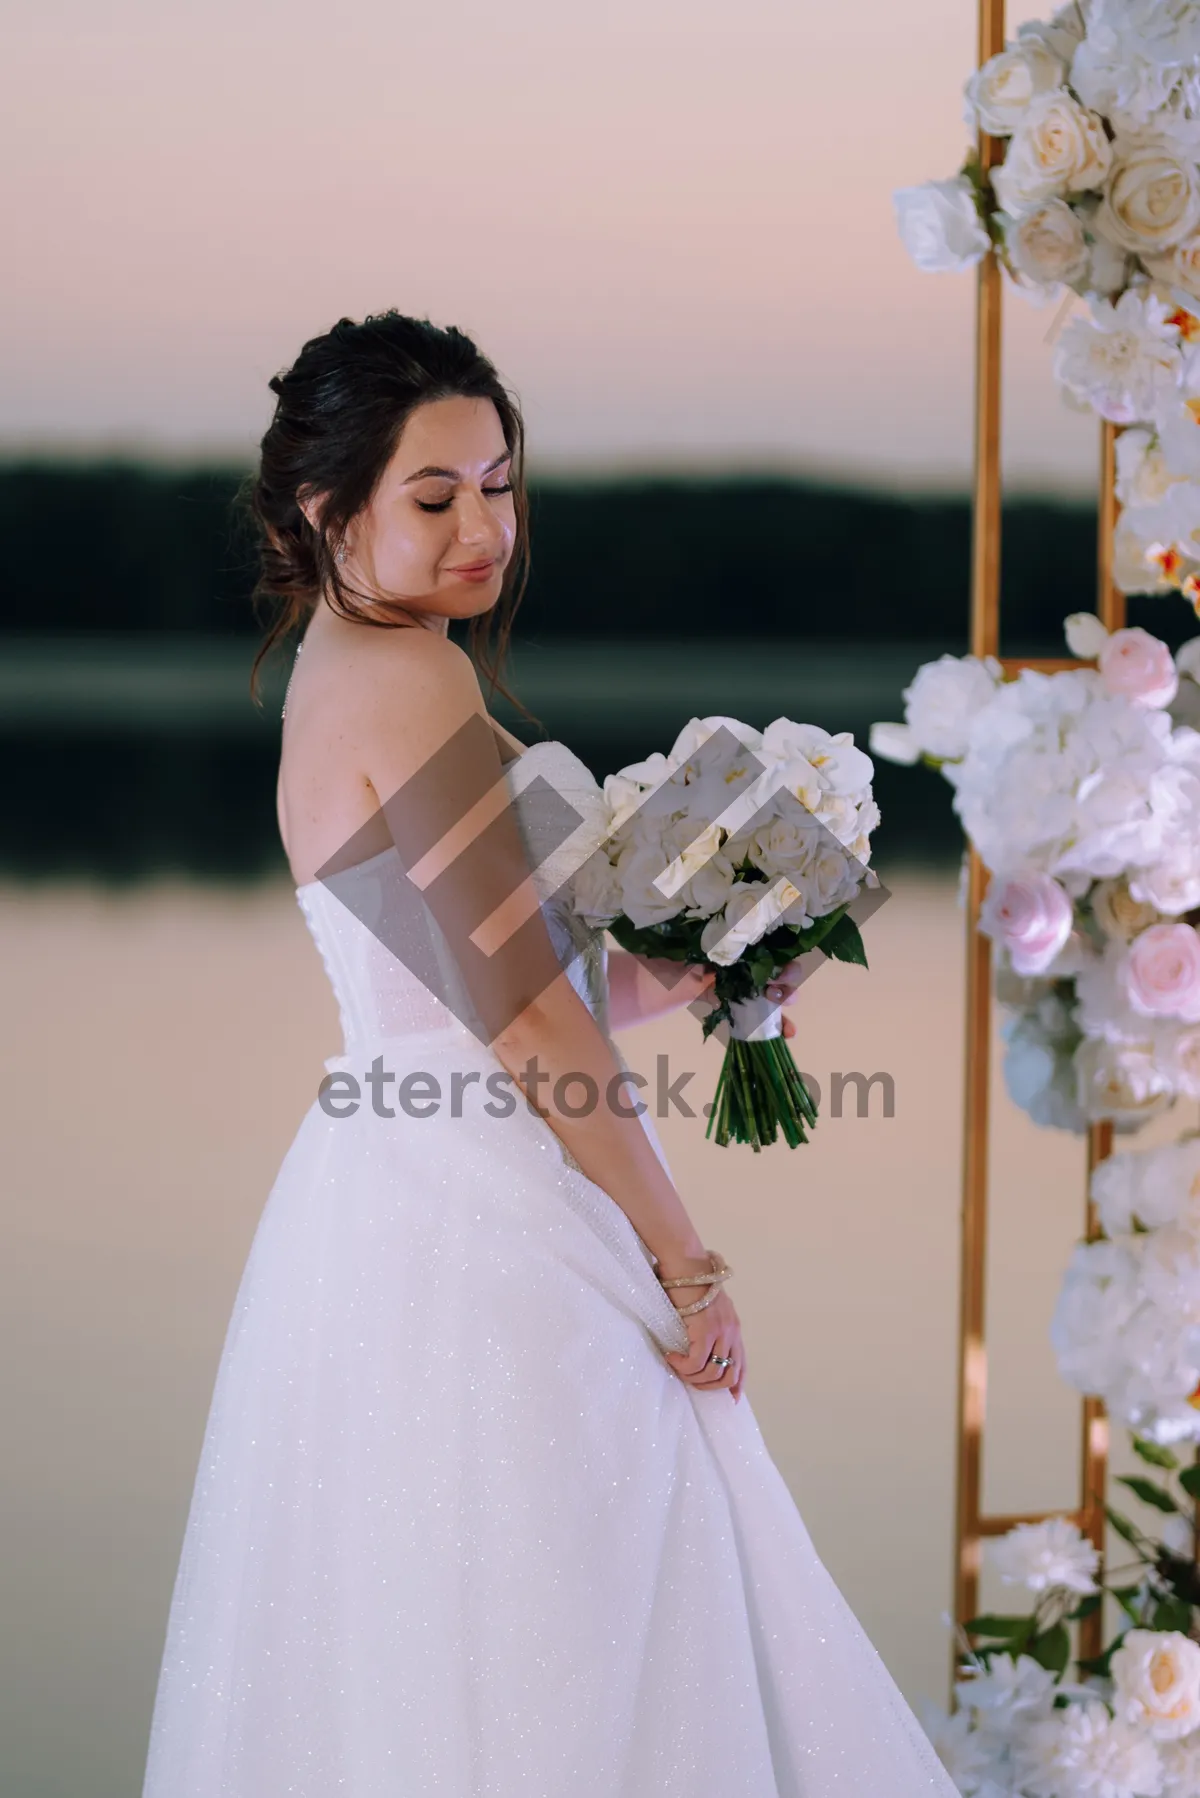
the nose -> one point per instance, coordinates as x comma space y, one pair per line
478, 525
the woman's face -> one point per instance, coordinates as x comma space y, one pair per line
439, 531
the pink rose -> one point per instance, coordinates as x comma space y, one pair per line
1139, 667
1161, 972
1031, 917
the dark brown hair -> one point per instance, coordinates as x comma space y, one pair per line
339, 412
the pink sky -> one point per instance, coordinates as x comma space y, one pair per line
670, 223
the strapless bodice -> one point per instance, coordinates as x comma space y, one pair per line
390, 966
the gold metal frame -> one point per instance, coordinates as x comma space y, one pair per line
971, 1523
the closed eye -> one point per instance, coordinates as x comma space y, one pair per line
444, 505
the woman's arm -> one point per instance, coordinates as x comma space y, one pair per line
423, 740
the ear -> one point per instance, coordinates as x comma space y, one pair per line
311, 504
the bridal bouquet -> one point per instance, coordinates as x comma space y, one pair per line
1099, 192
1081, 794
739, 850
1129, 1726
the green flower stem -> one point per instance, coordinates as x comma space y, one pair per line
760, 1091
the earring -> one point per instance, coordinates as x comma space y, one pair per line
340, 556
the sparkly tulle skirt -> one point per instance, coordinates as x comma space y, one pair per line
459, 1530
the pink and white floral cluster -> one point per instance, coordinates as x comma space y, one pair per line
1099, 192
1127, 1324
1020, 1729
1082, 796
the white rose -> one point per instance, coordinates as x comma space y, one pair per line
1063, 32
943, 700
940, 226
1152, 201
1187, 658
1085, 634
1123, 359
1058, 148
895, 743
753, 908
999, 93
1046, 244
1157, 1678
640, 867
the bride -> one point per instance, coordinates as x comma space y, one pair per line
482, 1510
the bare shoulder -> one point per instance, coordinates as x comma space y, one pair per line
407, 675
403, 693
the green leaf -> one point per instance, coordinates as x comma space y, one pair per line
1001, 1627
1087, 1607
1157, 1457
1149, 1493
1172, 1613
1052, 1650
1101, 1664
1189, 1479
1123, 1527
844, 943
1128, 1597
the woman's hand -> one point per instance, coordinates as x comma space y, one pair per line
782, 990
713, 1331
641, 987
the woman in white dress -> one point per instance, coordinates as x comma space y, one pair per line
482, 1510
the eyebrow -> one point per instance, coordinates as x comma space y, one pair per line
452, 474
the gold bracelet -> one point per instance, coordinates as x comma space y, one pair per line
698, 1304
721, 1270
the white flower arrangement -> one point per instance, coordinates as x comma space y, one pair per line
1126, 1326
739, 850
1129, 1727
1098, 192
1082, 796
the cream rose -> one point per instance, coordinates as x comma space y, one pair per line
1120, 916
1160, 973
1058, 148
1156, 1674
1179, 268
1121, 1081
1047, 244
998, 94
1153, 197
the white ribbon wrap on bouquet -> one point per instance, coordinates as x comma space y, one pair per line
755, 1020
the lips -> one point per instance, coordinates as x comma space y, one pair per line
473, 571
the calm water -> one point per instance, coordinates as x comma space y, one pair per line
160, 1046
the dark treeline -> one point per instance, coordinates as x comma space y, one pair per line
124, 548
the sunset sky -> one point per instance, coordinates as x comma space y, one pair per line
670, 223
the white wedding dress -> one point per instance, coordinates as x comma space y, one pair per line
458, 1531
